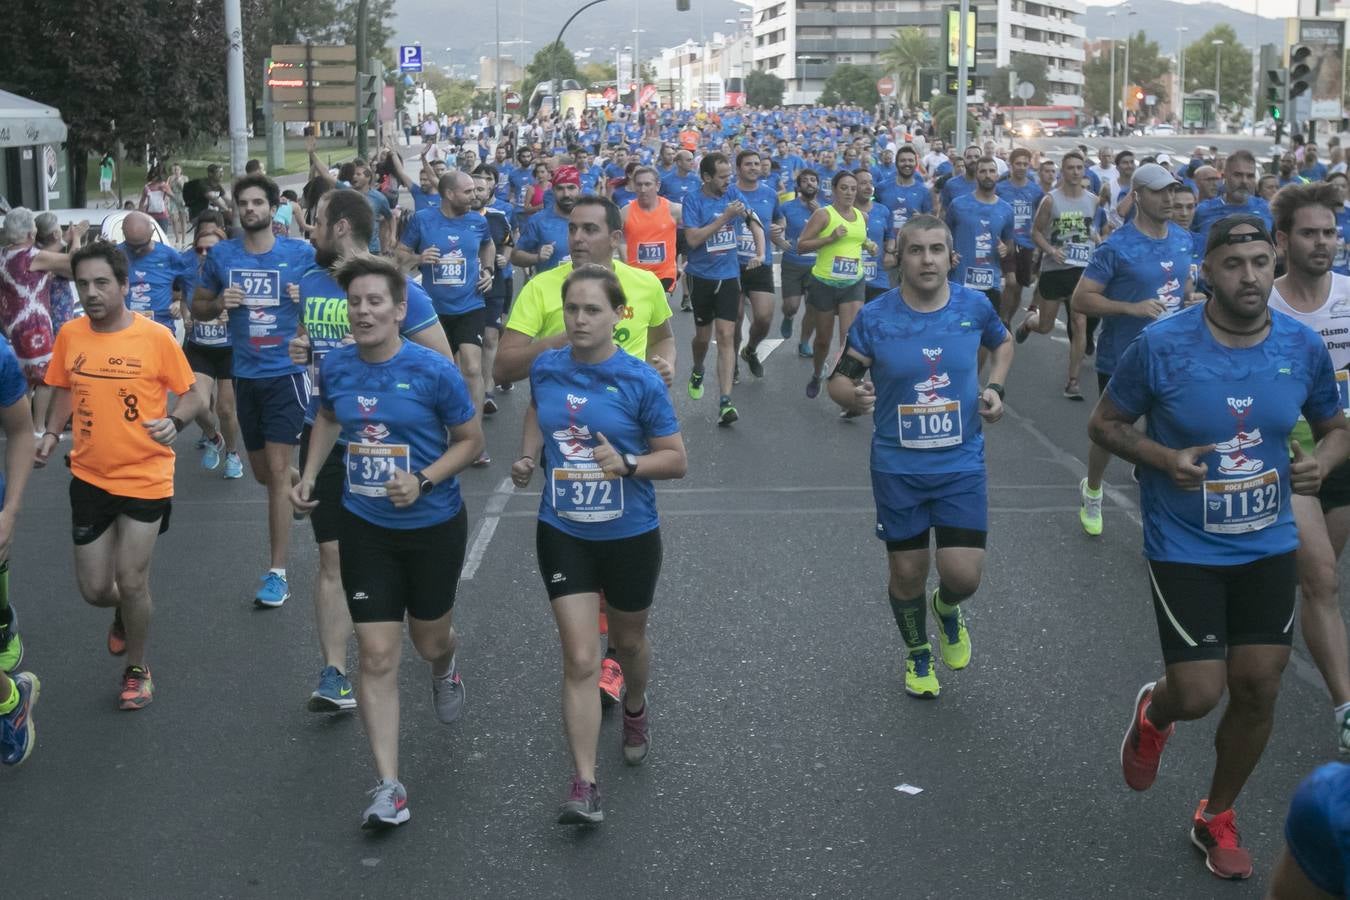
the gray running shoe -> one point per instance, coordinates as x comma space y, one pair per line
582, 806
388, 808
447, 693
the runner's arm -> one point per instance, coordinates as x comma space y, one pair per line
1040, 227
666, 458
846, 386
696, 236
57, 415
1111, 428
396, 161
466, 443
661, 345
20, 445
51, 261
811, 240
516, 352
1333, 442
1089, 300
531, 438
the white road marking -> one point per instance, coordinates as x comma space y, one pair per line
492, 514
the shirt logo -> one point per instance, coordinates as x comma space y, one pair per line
575, 403
367, 404
1233, 459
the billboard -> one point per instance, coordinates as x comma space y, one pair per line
1326, 38
952, 34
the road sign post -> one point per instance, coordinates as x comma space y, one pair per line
410, 58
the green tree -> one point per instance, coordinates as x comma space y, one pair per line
1147, 69
1232, 59
553, 58
910, 52
851, 84
594, 72
1030, 69
763, 89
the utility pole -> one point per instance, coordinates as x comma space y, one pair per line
362, 65
234, 83
497, 65
962, 74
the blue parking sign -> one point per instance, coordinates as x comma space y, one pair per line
410, 58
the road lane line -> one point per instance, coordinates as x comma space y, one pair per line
492, 513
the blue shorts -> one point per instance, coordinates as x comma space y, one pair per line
271, 410
909, 505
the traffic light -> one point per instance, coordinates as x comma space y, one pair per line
1277, 85
1300, 70
367, 98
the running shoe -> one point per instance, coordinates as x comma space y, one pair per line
202, 442
505, 388
1072, 392
1218, 838
695, 385
489, 405
212, 454
582, 806
785, 329
1345, 735
752, 360
685, 304
389, 806
813, 388
138, 689
611, 681
483, 461
636, 739
804, 350
334, 693
920, 679
1141, 751
447, 694
117, 635
274, 591
1022, 332
234, 466
953, 639
17, 731
1089, 509
726, 413
11, 649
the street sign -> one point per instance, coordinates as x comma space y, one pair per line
511, 99
1026, 90
886, 86
410, 58
1151, 100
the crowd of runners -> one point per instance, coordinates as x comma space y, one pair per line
351, 369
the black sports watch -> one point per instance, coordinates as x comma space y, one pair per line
996, 388
630, 461
424, 484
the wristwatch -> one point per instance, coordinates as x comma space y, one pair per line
996, 388
424, 484
630, 461
177, 423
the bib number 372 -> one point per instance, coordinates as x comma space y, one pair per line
586, 495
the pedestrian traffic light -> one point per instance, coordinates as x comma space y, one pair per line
1300, 70
1277, 85
367, 98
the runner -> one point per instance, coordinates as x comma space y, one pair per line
255, 279
983, 232
18, 690
649, 229
1063, 231
796, 266
497, 299
602, 536
921, 343
154, 269
1239, 184
876, 266
1307, 237
1215, 490
114, 370
712, 218
1315, 862
544, 234
410, 427
837, 234
458, 261
756, 256
1138, 274
1024, 196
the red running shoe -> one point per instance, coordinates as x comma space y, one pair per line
1218, 839
117, 636
611, 681
138, 689
1141, 751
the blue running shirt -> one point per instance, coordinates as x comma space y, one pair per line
150, 280
1024, 201
905, 201
395, 414
763, 200
452, 282
976, 228
879, 231
545, 227
263, 325
925, 370
1318, 828
714, 259
1196, 392
1216, 208
622, 398
795, 214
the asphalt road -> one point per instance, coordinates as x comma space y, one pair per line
781, 730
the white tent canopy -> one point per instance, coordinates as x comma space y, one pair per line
24, 122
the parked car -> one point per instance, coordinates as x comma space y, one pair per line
109, 223
1162, 128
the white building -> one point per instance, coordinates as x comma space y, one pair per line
801, 41
695, 72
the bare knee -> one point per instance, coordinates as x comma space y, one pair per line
1193, 700
626, 642
1319, 581
581, 663
379, 662
1255, 692
431, 644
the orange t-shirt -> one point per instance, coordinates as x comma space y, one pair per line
118, 381
651, 238
689, 139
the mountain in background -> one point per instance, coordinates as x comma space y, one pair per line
1160, 19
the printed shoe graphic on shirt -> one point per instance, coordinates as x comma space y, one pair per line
1232, 459
259, 317
574, 442
374, 433
927, 389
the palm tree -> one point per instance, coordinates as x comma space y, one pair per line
910, 52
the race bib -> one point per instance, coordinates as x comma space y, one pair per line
651, 253
1241, 505
930, 426
1342, 259
1021, 216
745, 245
1078, 254
844, 267
1343, 389
869, 267
370, 466
722, 240
211, 334
451, 271
980, 279
261, 287
587, 495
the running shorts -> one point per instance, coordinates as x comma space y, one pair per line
757, 280
829, 297
795, 279
909, 505
714, 299
871, 293
624, 570
270, 410
465, 328
214, 362
390, 572
326, 518
1204, 610
92, 510
1058, 284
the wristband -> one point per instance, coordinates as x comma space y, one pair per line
53, 434
996, 388
177, 423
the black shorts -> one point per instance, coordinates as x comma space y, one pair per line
1102, 381
1335, 490
213, 362
326, 517
465, 328
667, 284
714, 299
1058, 284
871, 293
796, 276
494, 312
1019, 262
270, 410
625, 570
994, 297
388, 572
828, 298
758, 280
92, 510
1204, 610
681, 245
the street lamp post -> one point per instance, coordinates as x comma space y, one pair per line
1125, 83
1111, 81
557, 48
1181, 73
1218, 61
